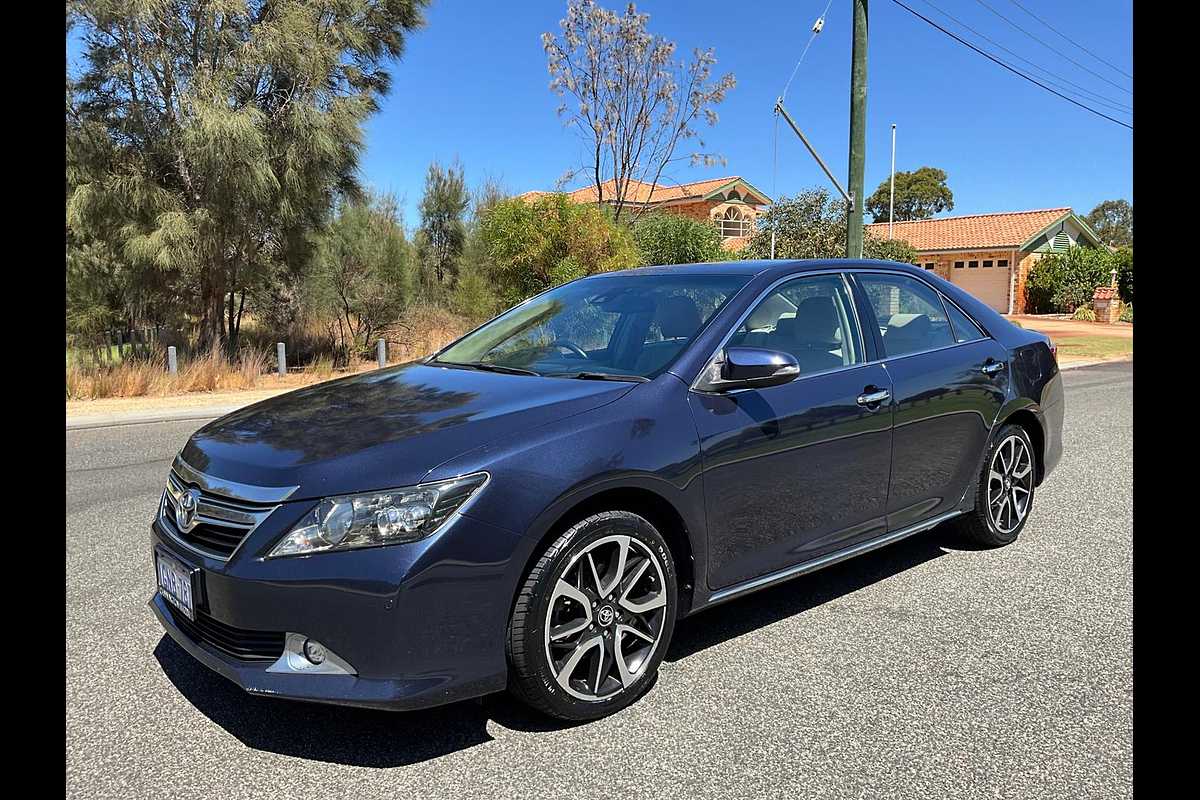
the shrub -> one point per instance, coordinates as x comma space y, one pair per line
1127, 314
533, 246
1084, 314
888, 249
474, 297
1061, 282
672, 239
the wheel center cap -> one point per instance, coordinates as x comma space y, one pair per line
605, 615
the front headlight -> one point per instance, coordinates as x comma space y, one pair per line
372, 519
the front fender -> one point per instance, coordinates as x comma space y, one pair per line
644, 441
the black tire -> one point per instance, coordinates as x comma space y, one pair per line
533, 676
980, 524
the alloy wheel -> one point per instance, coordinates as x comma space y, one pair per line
606, 617
1010, 484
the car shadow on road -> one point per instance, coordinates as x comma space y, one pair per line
381, 739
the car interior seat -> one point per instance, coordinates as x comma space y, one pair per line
811, 334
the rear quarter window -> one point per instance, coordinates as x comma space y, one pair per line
962, 326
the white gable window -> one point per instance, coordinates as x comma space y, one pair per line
733, 223
1062, 240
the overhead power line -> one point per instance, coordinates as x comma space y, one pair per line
1052, 48
817, 27
1072, 41
1053, 77
1009, 67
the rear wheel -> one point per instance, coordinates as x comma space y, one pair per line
1005, 494
594, 618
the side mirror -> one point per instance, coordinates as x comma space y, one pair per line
749, 368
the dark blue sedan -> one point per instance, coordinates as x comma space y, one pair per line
537, 505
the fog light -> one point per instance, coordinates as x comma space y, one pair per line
314, 651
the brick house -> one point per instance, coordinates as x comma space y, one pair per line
990, 255
731, 204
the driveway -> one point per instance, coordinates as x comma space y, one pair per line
925, 669
1066, 328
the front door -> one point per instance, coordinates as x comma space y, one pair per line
795, 471
949, 381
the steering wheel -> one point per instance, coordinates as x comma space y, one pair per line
574, 348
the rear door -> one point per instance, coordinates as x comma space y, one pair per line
795, 471
949, 381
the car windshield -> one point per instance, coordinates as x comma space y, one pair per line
619, 325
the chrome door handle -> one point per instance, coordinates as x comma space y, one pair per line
873, 398
991, 368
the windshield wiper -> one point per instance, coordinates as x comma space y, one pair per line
480, 365
600, 376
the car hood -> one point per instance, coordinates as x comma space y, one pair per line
382, 429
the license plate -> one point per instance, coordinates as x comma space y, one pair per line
175, 584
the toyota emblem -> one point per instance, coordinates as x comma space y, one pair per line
185, 513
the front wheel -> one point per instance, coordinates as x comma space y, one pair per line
594, 618
1005, 494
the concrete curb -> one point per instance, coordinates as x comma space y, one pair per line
144, 417
1065, 367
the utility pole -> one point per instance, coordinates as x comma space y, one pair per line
892, 201
858, 129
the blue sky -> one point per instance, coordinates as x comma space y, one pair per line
473, 85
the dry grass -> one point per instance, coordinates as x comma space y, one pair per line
423, 330
210, 372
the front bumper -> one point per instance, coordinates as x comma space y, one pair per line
422, 624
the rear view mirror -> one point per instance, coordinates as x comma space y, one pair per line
749, 368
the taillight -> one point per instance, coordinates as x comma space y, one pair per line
1054, 351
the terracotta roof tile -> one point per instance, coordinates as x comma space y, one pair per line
640, 192
1007, 229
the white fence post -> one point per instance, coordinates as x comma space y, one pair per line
281, 354
172, 363
381, 352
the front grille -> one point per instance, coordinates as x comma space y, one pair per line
237, 642
219, 524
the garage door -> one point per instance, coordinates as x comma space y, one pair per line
989, 284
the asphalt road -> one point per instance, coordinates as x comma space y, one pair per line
921, 670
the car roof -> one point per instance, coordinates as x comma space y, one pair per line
769, 267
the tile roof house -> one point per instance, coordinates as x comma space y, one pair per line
990, 255
731, 204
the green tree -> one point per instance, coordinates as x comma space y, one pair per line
475, 295
534, 246
675, 239
443, 232
813, 225
1112, 220
919, 195
206, 139
362, 273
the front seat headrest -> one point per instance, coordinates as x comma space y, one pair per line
678, 317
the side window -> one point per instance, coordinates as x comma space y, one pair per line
965, 330
811, 318
910, 314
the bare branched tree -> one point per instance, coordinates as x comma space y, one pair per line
629, 97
